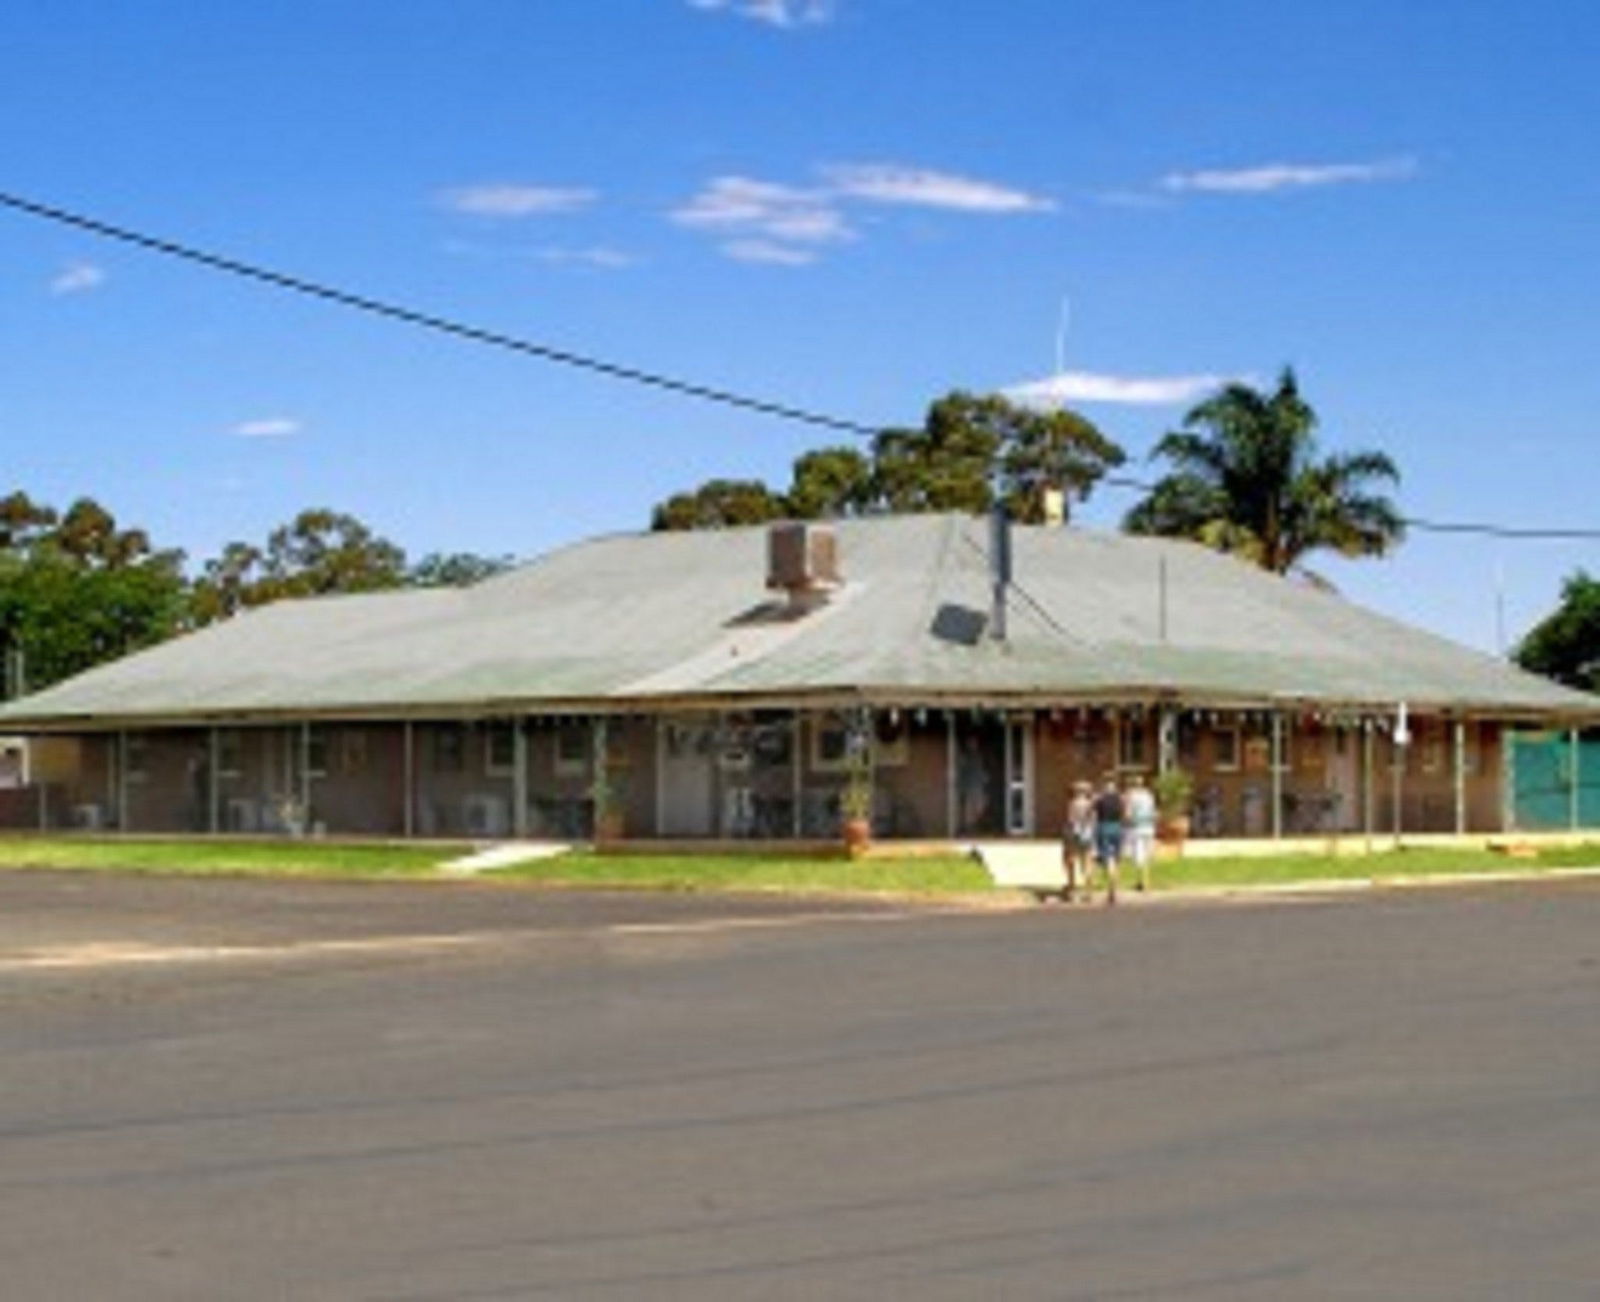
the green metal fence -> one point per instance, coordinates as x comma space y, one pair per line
1554, 784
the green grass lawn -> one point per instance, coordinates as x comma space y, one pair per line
932, 875
222, 859
728, 872
1384, 865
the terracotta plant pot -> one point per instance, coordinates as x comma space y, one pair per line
1173, 829
857, 836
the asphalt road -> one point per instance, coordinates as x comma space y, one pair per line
249, 1091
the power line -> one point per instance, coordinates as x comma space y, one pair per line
429, 321
599, 366
1515, 533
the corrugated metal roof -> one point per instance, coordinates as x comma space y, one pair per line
635, 618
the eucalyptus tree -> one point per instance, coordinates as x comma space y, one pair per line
1565, 645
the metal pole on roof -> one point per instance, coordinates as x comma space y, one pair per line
999, 569
1163, 598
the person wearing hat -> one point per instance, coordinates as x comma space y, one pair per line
1077, 838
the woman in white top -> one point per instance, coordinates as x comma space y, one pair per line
1139, 817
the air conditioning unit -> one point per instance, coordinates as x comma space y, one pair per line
738, 811
485, 817
803, 561
241, 814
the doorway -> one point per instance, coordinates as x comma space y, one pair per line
993, 776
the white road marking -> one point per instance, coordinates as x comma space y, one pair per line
119, 954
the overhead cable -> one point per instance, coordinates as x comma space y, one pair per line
613, 370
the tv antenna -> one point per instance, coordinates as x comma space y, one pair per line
1063, 321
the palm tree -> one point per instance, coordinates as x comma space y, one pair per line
1247, 479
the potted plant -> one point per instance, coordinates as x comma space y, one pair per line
855, 803
1174, 793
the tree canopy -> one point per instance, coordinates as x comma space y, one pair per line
1565, 645
76, 589
319, 552
969, 449
1247, 477
719, 503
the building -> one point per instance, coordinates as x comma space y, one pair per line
727, 685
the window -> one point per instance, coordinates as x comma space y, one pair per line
316, 744
572, 750
1133, 748
500, 750
830, 745
1225, 749
1188, 744
136, 756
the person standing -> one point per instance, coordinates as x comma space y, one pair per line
1139, 811
1077, 838
1108, 834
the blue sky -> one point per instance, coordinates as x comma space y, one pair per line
850, 206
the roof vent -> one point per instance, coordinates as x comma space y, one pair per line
803, 561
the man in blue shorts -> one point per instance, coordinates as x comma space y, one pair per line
1108, 834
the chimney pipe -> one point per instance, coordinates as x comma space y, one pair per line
999, 568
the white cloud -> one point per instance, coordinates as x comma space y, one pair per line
517, 200
887, 183
768, 221
775, 13
267, 427
1088, 386
1272, 177
769, 251
753, 213
78, 278
596, 256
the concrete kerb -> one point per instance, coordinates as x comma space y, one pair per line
1332, 887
